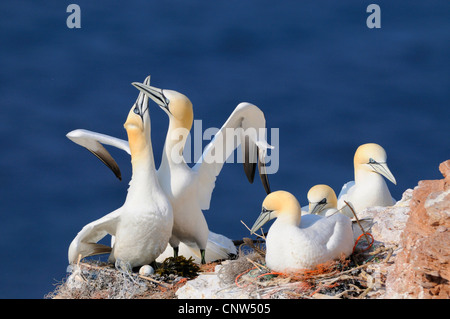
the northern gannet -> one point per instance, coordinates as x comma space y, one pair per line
190, 189
295, 241
290, 245
369, 188
323, 202
217, 247
143, 225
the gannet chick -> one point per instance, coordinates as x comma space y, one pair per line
291, 246
190, 189
369, 188
143, 225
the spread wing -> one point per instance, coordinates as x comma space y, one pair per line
245, 126
93, 141
85, 243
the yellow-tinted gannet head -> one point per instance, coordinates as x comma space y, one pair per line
321, 197
175, 104
137, 124
372, 157
279, 204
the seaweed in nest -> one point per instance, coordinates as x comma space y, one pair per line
179, 266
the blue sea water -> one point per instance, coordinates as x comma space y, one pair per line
322, 77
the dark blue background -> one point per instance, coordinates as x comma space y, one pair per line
321, 76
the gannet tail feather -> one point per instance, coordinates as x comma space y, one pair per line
87, 250
219, 247
93, 141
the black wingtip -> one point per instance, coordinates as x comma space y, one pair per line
249, 169
264, 177
116, 172
249, 166
262, 173
111, 165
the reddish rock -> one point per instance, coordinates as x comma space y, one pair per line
422, 267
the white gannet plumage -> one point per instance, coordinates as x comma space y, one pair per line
199, 180
290, 245
143, 225
190, 189
369, 188
323, 202
217, 247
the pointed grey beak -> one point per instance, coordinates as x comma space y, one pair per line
155, 94
141, 104
318, 207
263, 218
382, 168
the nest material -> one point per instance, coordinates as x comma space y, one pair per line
96, 280
359, 276
353, 277
179, 266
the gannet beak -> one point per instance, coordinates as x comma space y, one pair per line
155, 94
263, 218
318, 207
382, 168
142, 100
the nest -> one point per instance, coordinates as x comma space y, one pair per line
93, 279
362, 275
353, 277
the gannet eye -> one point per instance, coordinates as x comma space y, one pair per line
323, 201
372, 161
265, 210
136, 110
166, 100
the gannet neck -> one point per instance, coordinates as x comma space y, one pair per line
184, 121
363, 175
142, 160
139, 139
144, 178
175, 142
